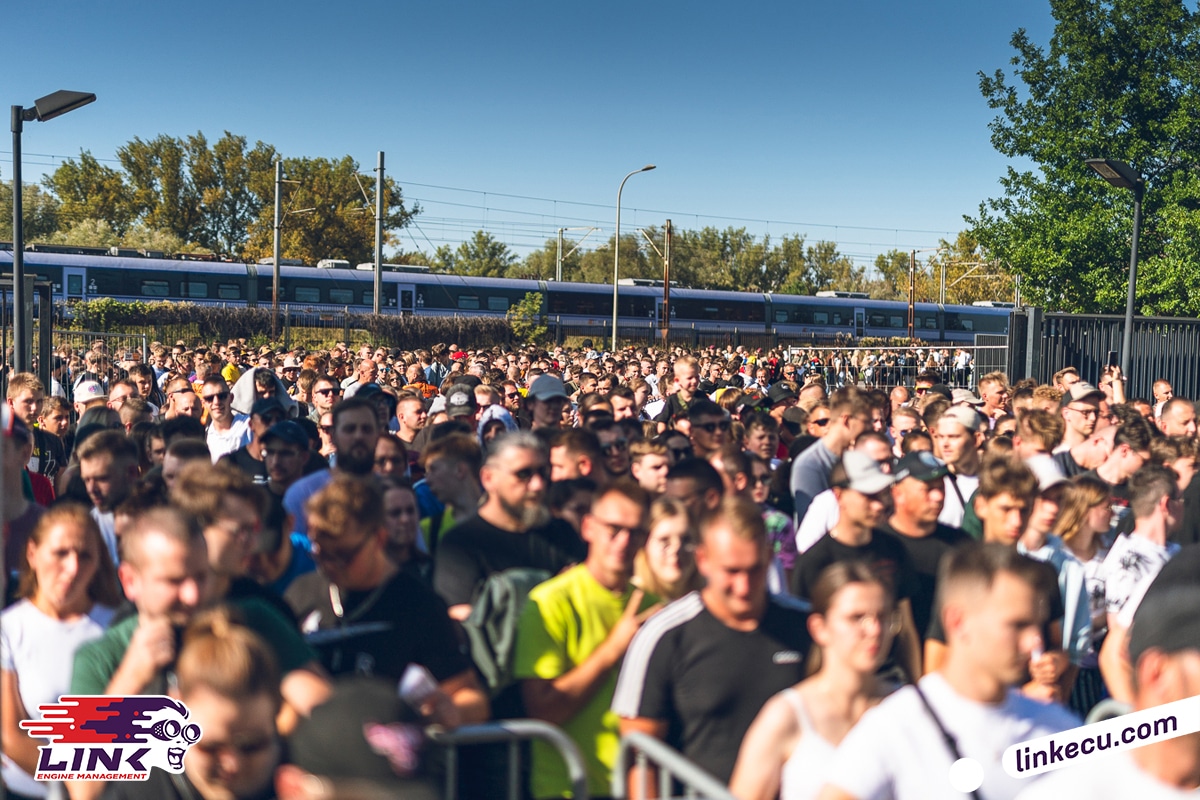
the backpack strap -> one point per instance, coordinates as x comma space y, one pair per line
948, 737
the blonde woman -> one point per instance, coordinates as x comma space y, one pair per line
790, 745
665, 566
1083, 520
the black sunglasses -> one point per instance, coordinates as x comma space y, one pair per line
713, 427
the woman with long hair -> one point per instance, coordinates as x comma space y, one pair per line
1083, 520
790, 745
68, 590
665, 566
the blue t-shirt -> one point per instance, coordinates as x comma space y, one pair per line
301, 563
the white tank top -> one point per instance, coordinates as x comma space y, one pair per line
805, 770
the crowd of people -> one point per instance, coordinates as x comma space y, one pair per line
809, 587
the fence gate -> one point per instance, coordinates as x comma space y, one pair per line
672, 768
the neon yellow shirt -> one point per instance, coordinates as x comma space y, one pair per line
565, 620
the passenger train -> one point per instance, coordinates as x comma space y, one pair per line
88, 273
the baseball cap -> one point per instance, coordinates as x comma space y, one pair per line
780, 392
265, 406
89, 390
546, 387
922, 465
1166, 620
863, 474
287, 431
363, 390
965, 396
943, 390
460, 401
437, 405
1047, 471
969, 418
291, 363
363, 732
1081, 390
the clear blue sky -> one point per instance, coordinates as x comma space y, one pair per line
858, 121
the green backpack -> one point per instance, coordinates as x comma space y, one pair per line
492, 624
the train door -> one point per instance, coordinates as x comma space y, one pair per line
74, 283
860, 319
408, 300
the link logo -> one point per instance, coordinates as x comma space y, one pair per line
111, 738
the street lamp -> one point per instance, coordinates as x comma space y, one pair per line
44, 108
617, 251
1123, 176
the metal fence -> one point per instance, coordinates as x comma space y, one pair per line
513, 733
1163, 347
888, 367
116, 345
672, 768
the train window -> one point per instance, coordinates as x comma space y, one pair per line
195, 289
468, 301
308, 294
967, 324
876, 321
931, 323
343, 297
837, 318
156, 289
369, 298
820, 318
74, 285
781, 316
896, 322
229, 291
497, 304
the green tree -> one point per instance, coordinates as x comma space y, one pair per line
971, 274
233, 184
40, 212
164, 196
340, 223
526, 318
482, 255
596, 266
86, 233
87, 189
1119, 79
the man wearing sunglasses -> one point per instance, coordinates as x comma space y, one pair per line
249, 457
709, 427
850, 415
227, 431
513, 527
324, 394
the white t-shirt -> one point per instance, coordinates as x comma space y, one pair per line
1130, 561
822, 515
1114, 777
953, 509
224, 442
41, 651
896, 750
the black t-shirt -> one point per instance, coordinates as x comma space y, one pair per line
381, 631
1067, 463
708, 681
475, 549
884, 553
49, 451
247, 463
673, 407
924, 554
1189, 528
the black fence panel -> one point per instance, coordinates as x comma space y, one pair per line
1163, 348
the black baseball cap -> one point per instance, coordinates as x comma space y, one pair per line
265, 406
922, 465
287, 431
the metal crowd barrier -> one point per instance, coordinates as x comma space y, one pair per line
512, 732
672, 766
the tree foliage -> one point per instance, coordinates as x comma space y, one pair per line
483, 256
1119, 79
188, 193
526, 318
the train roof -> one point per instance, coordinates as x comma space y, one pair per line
139, 264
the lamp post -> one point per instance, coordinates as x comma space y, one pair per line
1123, 176
617, 251
44, 108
